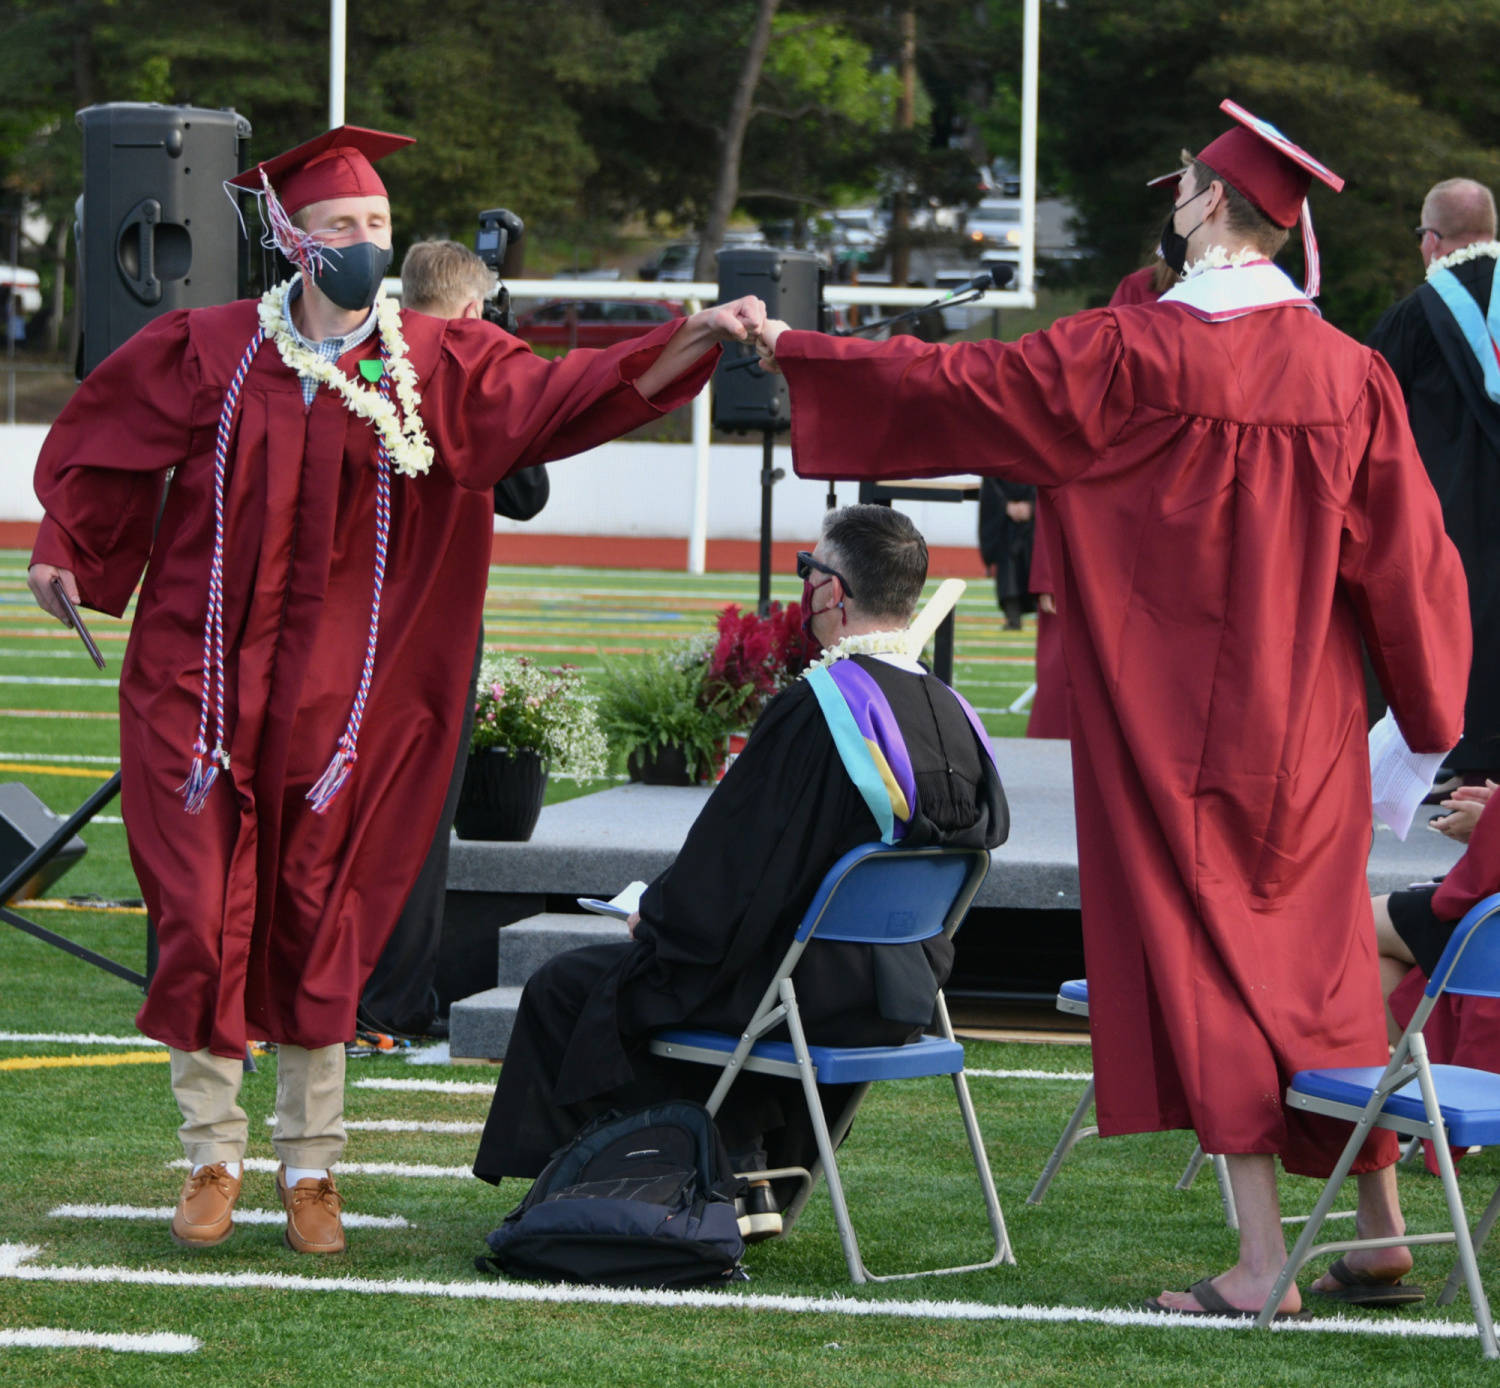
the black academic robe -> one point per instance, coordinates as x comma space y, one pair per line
1007, 543
1457, 429
716, 923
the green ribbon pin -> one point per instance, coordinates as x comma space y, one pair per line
372, 370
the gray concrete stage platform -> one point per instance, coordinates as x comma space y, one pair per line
1021, 939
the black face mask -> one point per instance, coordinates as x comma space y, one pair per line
1173, 242
351, 275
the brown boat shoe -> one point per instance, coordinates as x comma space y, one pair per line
205, 1209
312, 1213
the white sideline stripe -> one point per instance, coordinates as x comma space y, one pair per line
400, 1125
1031, 1074
241, 1215
157, 1342
428, 1086
79, 757
80, 1038
60, 681
361, 1168
15, 1262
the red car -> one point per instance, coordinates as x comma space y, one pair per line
593, 322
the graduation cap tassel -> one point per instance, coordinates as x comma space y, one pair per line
1310, 254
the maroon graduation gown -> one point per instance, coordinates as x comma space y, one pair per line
1238, 500
269, 916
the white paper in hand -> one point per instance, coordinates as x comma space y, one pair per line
1399, 777
623, 904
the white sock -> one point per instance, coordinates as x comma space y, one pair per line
304, 1173
232, 1167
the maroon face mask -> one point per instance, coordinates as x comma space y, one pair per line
808, 589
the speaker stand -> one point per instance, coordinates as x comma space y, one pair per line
769, 477
42, 854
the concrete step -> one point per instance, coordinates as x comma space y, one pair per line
530, 943
479, 1027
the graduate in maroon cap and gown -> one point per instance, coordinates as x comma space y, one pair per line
310, 608
1239, 500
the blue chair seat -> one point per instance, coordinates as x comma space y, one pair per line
1469, 1099
1075, 990
929, 1055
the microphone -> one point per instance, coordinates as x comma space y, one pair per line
982, 281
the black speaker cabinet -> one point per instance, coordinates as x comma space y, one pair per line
157, 231
25, 825
790, 284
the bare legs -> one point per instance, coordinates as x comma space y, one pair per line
1263, 1245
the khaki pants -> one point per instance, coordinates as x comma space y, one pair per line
309, 1127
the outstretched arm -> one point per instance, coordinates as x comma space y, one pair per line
740, 321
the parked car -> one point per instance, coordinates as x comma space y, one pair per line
995, 222
676, 260
593, 322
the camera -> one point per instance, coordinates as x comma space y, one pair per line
499, 230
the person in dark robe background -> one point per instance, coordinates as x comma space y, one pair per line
712, 927
444, 280
1007, 511
347, 506
1240, 500
1451, 383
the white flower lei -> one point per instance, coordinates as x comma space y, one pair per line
1217, 258
1477, 251
404, 436
867, 643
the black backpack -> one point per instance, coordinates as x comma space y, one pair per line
643, 1199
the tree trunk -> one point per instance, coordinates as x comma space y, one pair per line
59, 285
906, 118
727, 191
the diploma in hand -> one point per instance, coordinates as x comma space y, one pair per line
76, 622
621, 905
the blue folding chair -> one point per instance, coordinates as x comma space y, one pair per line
876, 895
1073, 998
1444, 1103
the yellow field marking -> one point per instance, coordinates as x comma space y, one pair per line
60, 1062
62, 904
41, 769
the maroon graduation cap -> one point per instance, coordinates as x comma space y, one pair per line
1271, 171
337, 164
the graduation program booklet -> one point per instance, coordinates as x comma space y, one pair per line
1399, 777
623, 904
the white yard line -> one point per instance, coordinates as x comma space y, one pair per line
16, 1263
429, 1086
401, 1125
60, 681
363, 1168
155, 1342
75, 1038
1077, 1075
241, 1215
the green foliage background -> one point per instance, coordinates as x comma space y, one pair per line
590, 115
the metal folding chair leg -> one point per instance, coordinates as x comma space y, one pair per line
1481, 1233
858, 1272
1221, 1175
1073, 1133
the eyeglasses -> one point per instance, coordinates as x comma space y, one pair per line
806, 564
1423, 231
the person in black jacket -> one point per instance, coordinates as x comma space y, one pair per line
1007, 524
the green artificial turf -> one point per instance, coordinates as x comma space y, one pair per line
1112, 1231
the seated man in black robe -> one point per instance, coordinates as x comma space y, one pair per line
712, 928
